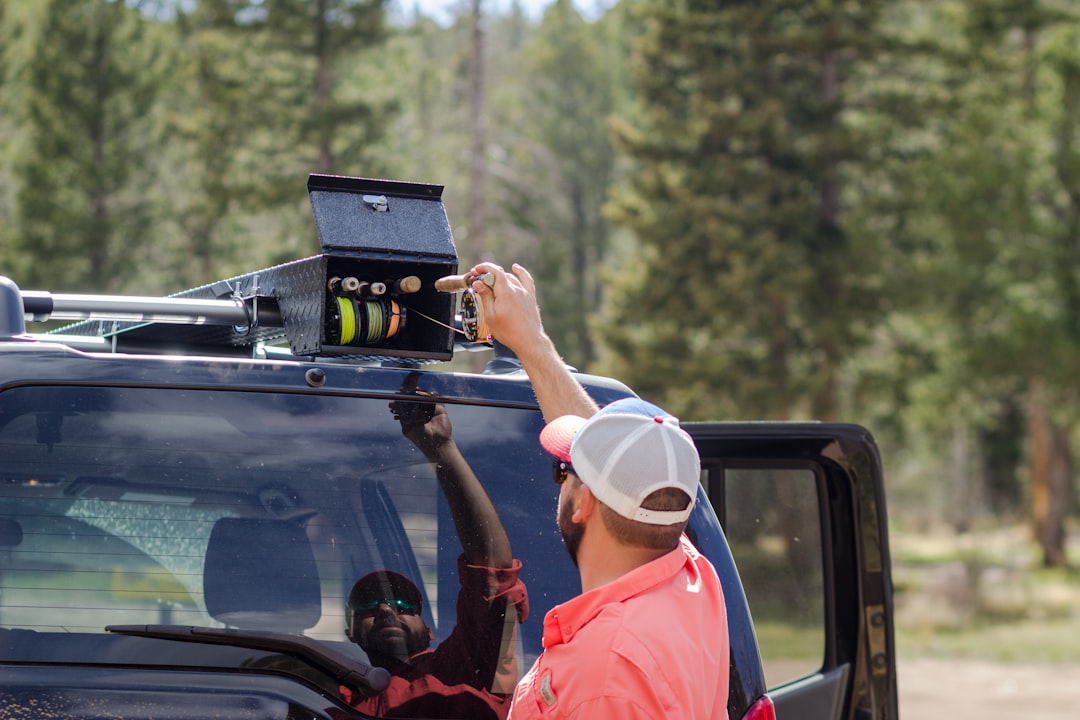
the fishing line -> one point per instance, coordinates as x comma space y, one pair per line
473, 326
347, 322
437, 322
366, 322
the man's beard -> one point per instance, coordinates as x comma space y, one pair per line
572, 532
395, 646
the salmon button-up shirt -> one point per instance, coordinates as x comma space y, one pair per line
651, 644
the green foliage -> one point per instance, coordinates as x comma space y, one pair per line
82, 198
565, 162
993, 229
211, 114
997, 238
320, 108
6, 129
849, 209
751, 289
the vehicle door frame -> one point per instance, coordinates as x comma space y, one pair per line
857, 678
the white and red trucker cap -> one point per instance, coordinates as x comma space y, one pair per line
626, 451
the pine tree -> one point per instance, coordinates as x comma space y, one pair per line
6, 131
565, 163
215, 116
749, 290
1001, 202
326, 110
82, 202
319, 101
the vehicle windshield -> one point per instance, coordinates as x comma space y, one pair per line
261, 511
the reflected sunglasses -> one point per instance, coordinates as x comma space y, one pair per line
560, 470
401, 607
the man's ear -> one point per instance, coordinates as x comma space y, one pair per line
352, 628
585, 504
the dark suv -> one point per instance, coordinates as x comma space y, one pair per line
190, 486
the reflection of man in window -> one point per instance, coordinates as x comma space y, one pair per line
472, 672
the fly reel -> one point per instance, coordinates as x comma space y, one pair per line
470, 310
472, 318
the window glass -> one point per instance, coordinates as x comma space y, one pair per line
258, 512
773, 528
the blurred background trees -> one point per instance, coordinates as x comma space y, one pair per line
838, 210
83, 178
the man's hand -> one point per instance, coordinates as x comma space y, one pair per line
511, 310
425, 423
512, 314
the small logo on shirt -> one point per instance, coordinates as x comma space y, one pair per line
545, 690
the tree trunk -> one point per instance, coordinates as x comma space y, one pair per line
582, 272
323, 87
1059, 485
960, 506
98, 236
1051, 472
477, 154
478, 132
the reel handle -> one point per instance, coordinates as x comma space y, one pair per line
453, 283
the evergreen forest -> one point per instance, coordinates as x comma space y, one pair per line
843, 210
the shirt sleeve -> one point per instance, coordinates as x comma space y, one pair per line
492, 584
480, 651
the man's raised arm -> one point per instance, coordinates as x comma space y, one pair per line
483, 537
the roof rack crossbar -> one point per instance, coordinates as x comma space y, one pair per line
40, 306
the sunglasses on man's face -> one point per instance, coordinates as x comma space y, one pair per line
561, 470
401, 607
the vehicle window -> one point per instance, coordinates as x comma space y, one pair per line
260, 512
257, 511
773, 527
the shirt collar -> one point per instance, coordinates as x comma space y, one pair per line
563, 621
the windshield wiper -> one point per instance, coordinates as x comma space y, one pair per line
365, 678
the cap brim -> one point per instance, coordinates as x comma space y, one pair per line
384, 584
558, 435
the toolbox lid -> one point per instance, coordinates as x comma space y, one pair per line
387, 216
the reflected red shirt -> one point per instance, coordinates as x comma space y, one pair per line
652, 644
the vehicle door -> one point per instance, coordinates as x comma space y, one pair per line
803, 509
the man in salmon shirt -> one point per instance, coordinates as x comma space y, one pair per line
647, 637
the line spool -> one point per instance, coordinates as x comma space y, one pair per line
366, 322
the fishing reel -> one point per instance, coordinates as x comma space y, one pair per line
470, 310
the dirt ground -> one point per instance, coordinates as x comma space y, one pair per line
987, 691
